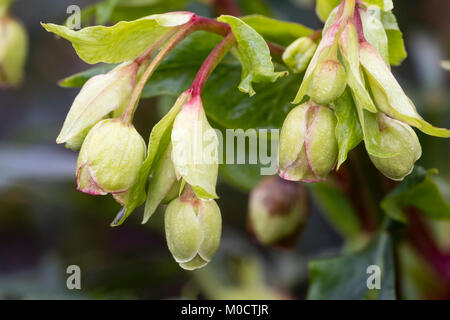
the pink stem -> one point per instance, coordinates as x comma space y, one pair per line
211, 63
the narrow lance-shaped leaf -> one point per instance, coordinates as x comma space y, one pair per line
348, 130
397, 51
158, 142
418, 190
374, 32
254, 54
124, 41
349, 45
163, 179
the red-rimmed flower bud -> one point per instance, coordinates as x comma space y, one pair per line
109, 159
308, 148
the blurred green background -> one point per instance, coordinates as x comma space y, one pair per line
46, 225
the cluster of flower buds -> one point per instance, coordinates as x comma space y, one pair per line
278, 211
353, 53
188, 167
112, 154
13, 49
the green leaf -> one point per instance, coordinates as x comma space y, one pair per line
324, 8
337, 208
348, 130
345, 277
397, 51
281, 32
123, 41
79, 79
254, 54
420, 191
158, 142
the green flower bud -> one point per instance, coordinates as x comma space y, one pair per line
109, 159
328, 82
398, 138
299, 53
193, 229
308, 148
195, 149
13, 51
99, 96
278, 211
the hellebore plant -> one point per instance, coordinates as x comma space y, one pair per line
348, 94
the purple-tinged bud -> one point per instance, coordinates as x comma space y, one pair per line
278, 211
308, 148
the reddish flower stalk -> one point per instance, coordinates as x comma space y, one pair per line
211, 63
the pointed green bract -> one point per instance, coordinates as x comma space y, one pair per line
396, 45
389, 96
123, 41
195, 150
375, 33
348, 129
254, 54
99, 96
349, 45
163, 179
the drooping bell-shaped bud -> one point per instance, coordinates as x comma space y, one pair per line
109, 159
99, 96
328, 82
400, 139
195, 149
299, 53
308, 148
193, 230
278, 211
13, 51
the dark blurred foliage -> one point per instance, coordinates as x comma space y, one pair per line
46, 225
